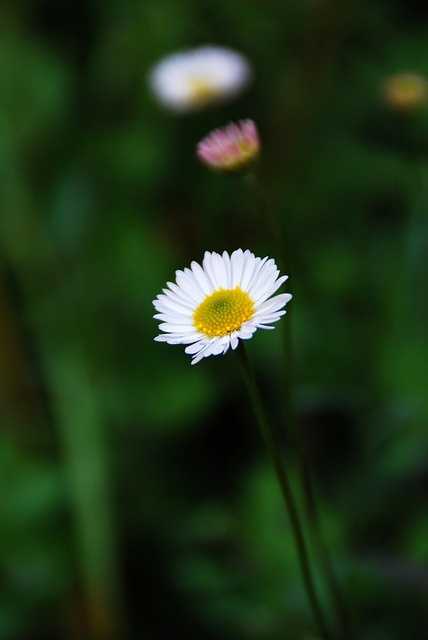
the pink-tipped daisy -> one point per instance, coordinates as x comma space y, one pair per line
232, 149
213, 306
191, 80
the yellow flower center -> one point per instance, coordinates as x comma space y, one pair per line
202, 91
243, 146
223, 312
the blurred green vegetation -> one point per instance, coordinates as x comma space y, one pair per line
136, 500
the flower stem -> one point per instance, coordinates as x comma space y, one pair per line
268, 218
292, 421
273, 450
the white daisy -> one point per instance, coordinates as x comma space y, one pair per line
193, 79
210, 307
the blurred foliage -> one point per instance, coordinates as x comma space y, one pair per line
136, 500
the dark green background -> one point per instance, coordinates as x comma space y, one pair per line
136, 500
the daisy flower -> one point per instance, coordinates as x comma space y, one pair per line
211, 307
405, 92
190, 80
232, 149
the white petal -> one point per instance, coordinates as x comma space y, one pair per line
167, 305
266, 289
177, 299
197, 358
209, 267
179, 292
221, 347
177, 319
206, 267
275, 284
185, 329
262, 326
194, 281
201, 277
267, 319
227, 266
272, 304
211, 348
245, 336
220, 271
194, 348
236, 263
234, 341
258, 274
246, 330
190, 286
203, 353
250, 263
265, 276
171, 338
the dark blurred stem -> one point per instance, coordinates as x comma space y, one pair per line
266, 213
292, 421
274, 452
270, 221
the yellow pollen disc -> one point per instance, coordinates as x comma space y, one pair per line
223, 312
202, 91
243, 146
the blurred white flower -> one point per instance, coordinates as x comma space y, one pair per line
211, 307
193, 79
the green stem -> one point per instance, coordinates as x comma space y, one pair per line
270, 221
292, 420
346, 631
273, 450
